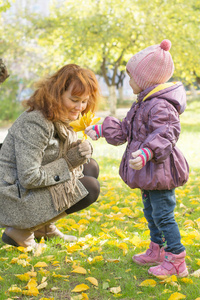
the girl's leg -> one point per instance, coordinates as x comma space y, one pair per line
163, 204
155, 234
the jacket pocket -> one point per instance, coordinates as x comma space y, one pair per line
11, 186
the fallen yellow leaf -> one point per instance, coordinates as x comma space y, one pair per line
31, 292
42, 285
80, 288
41, 265
92, 280
176, 296
14, 289
148, 282
23, 277
187, 280
79, 270
115, 290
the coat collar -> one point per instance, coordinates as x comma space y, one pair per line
154, 89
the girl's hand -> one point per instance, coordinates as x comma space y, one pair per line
140, 158
136, 163
94, 132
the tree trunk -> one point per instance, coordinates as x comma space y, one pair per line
112, 100
121, 96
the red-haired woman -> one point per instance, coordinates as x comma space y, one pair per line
46, 173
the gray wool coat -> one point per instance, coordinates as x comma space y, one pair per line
29, 165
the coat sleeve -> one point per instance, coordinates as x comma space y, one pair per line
31, 139
115, 131
164, 128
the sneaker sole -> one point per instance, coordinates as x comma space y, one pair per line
183, 274
147, 264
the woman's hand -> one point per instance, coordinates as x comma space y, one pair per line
78, 154
85, 149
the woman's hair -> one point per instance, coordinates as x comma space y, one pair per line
48, 96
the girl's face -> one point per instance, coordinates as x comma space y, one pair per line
136, 89
74, 104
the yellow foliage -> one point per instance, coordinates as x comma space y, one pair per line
83, 122
176, 296
79, 270
92, 280
148, 282
80, 288
41, 265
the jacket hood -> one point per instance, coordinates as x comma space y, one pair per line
173, 92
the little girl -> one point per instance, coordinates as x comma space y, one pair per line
151, 161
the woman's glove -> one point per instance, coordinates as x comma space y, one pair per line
79, 154
140, 158
94, 131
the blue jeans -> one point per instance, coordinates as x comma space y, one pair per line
159, 213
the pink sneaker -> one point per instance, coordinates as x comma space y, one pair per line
173, 264
153, 256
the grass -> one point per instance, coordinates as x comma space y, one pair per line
110, 232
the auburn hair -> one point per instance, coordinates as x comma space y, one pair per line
48, 94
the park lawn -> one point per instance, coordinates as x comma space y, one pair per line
110, 232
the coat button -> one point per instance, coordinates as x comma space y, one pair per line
57, 178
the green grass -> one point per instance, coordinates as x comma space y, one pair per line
114, 228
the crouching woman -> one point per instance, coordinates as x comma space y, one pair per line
46, 173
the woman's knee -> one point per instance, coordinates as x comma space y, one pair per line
91, 168
92, 185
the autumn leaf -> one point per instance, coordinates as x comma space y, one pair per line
80, 288
148, 282
196, 273
23, 277
31, 292
92, 280
83, 122
41, 265
14, 289
176, 296
79, 270
115, 290
42, 285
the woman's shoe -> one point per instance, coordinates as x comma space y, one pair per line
50, 231
173, 264
153, 256
19, 237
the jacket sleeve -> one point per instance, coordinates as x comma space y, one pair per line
115, 131
164, 128
31, 139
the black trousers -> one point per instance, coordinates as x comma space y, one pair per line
91, 173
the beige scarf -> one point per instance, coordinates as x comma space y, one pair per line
64, 194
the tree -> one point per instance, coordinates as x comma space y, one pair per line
103, 34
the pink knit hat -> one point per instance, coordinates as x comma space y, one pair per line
151, 66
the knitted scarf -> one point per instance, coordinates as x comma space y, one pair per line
64, 194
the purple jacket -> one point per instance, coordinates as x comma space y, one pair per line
153, 122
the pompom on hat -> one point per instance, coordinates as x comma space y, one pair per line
153, 65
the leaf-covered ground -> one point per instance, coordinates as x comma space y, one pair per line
99, 265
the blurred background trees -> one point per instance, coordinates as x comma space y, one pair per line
38, 37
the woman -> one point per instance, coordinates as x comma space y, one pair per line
45, 171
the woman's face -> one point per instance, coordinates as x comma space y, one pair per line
74, 104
